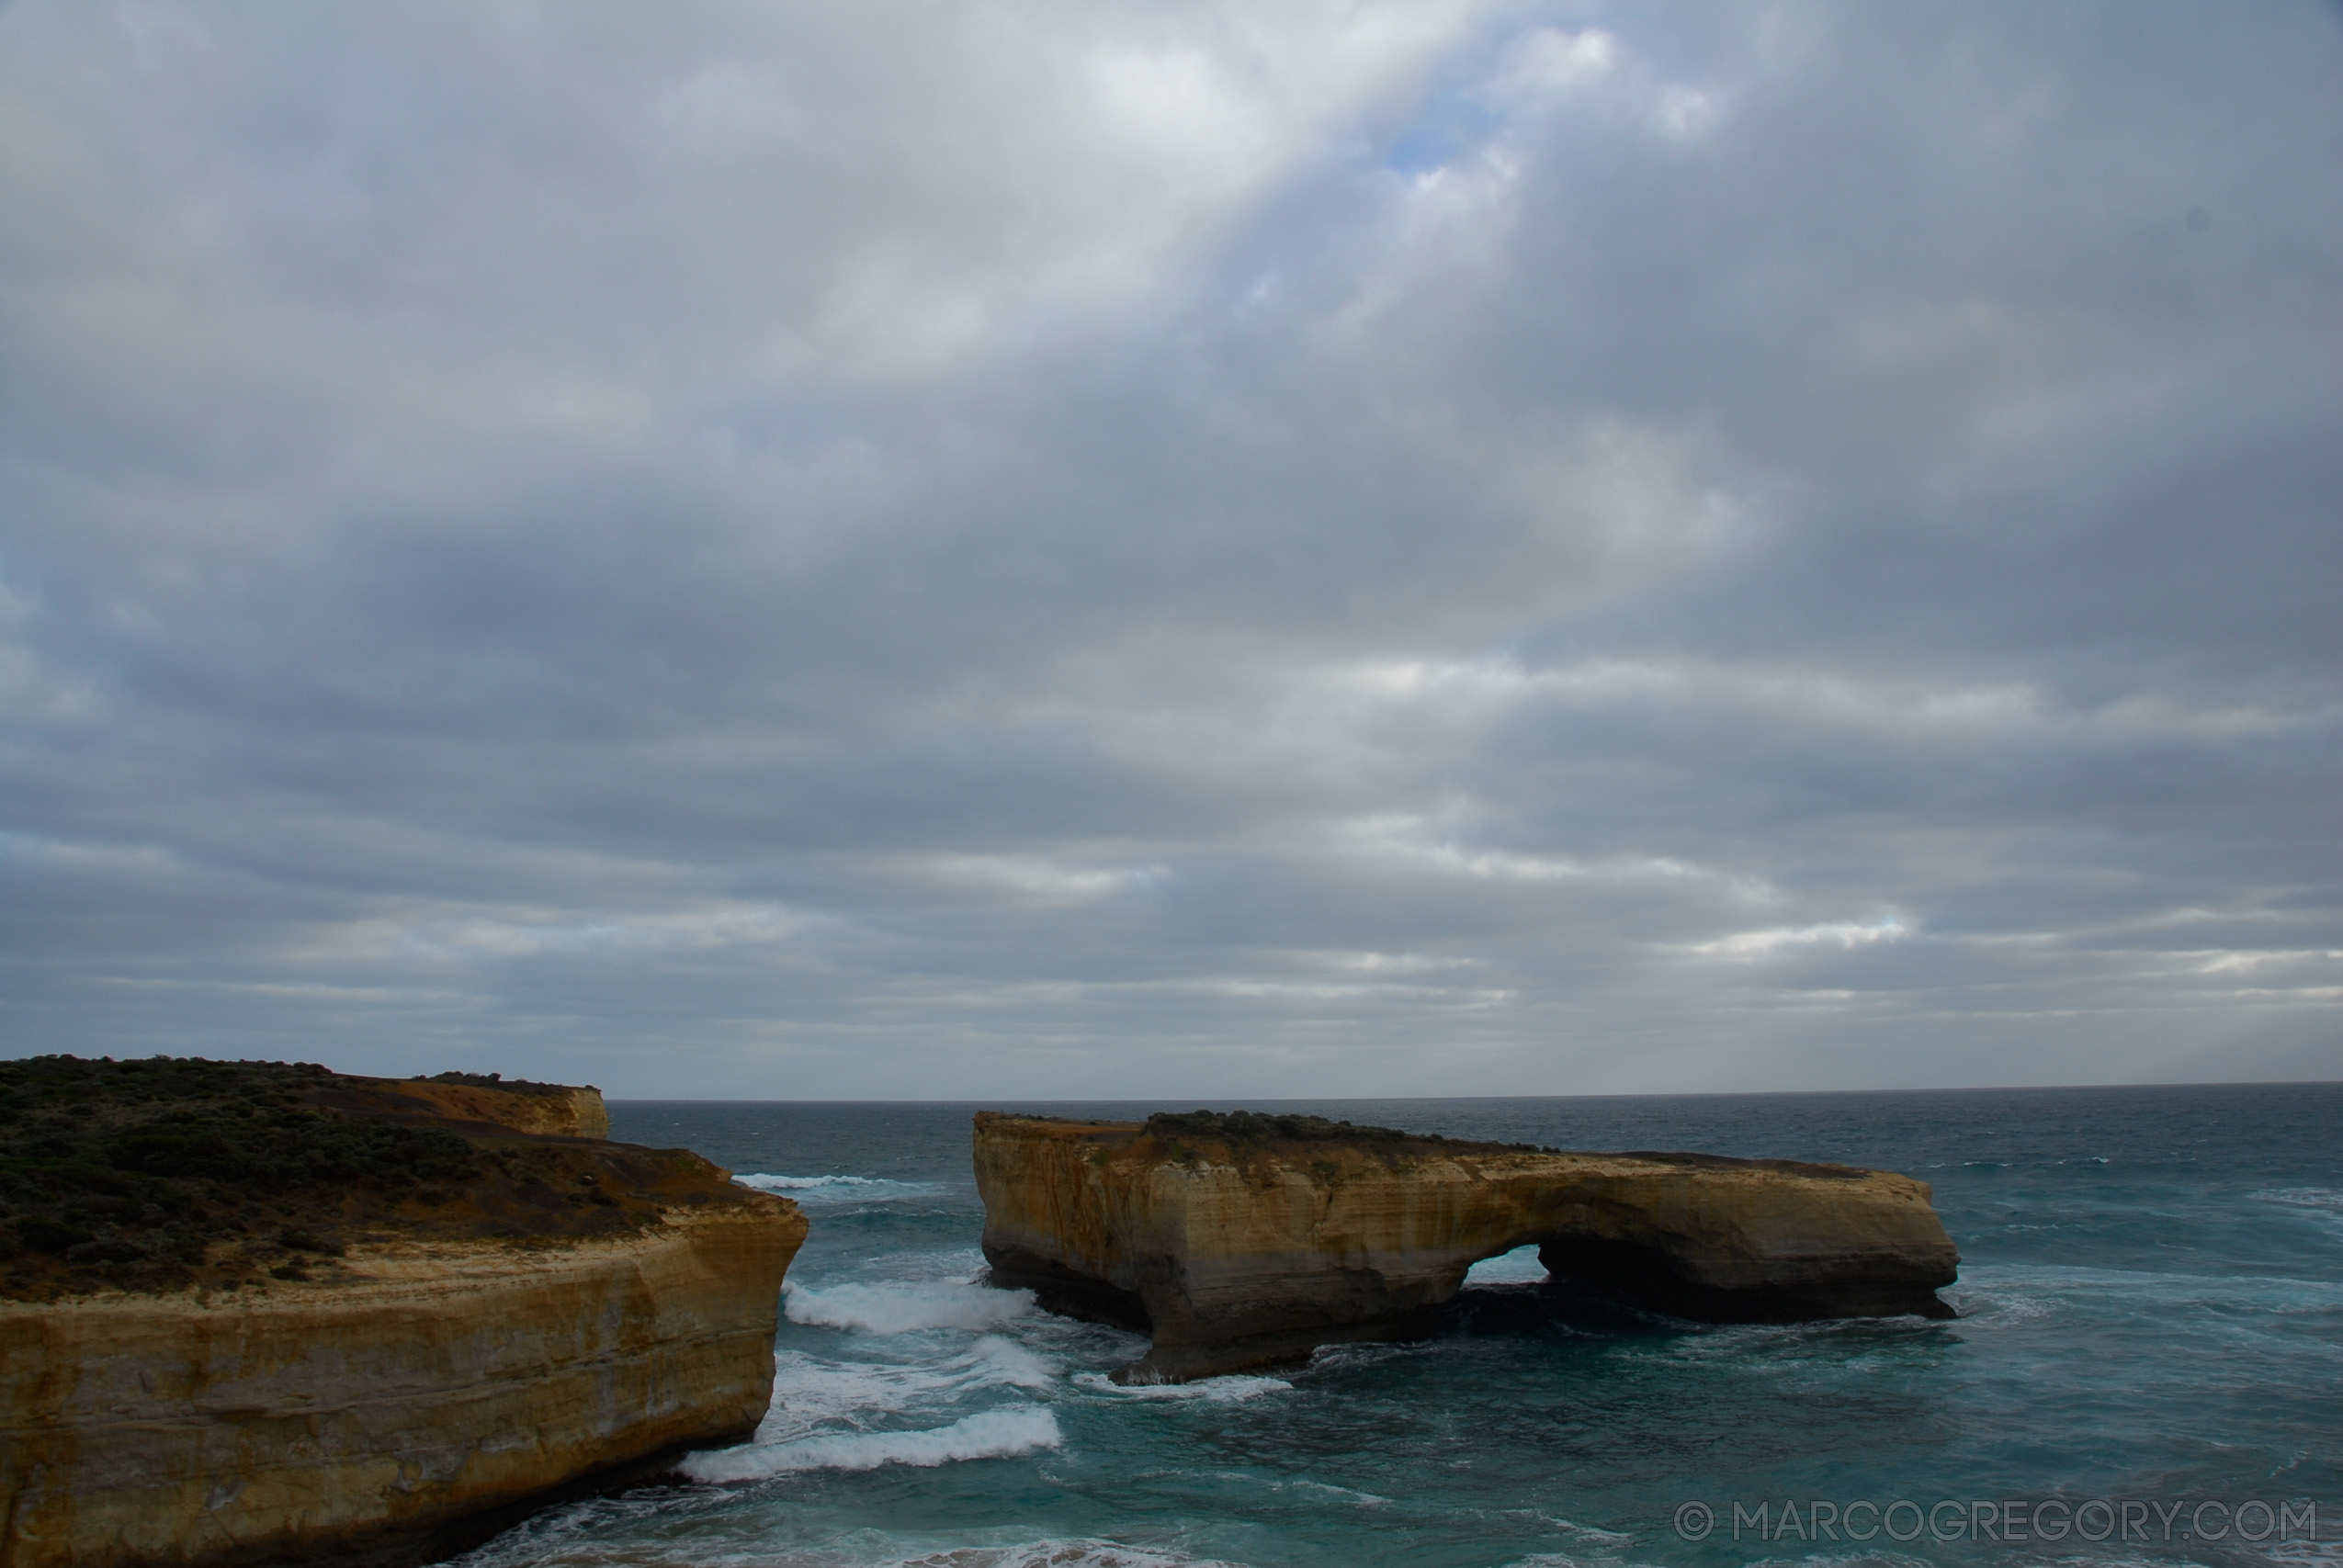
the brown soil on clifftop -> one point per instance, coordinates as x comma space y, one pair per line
1250, 1129
171, 1174
1260, 1141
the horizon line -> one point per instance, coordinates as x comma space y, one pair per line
1366, 1098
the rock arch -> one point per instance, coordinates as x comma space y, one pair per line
1238, 1250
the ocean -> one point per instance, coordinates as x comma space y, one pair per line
2148, 1360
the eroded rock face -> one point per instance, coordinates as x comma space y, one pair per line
1238, 1255
550, 1110
397, 1400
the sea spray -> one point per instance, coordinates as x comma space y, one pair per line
828, 1190
905, 1309
991, 1434
1230, 1389
809, 1391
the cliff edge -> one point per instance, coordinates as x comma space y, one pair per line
254, 1312
1241, 1240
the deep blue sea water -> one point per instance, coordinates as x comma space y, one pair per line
2151, 1306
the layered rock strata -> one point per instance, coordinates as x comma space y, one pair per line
1234, 1254
394, 1394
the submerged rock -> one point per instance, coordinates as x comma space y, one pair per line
1244, 1240
381, 1366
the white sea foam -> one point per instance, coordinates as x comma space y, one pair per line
834, 1189
905, 1309
2302, 1197
1006, 1361
1593, 1535
1602, 1548
1217, 1391
1974, 1301
1348, 1494
989, 1434
810, 1391
1058, 1554
1372, 1353
2213, 1290
2023, 1292
1883, 1557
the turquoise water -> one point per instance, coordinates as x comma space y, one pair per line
2151, 1306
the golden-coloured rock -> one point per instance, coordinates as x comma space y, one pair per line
382, 1370
1234, 1245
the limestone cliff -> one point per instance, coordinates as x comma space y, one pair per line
1239, 1252
444, 1358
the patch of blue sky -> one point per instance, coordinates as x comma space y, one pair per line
1454, 122
1460, 115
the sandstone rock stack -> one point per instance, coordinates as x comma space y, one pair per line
1237, 1245
390, 1386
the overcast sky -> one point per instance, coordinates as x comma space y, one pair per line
1276, 548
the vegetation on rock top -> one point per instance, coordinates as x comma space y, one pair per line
1241, 1128
158, 1174
498, 1080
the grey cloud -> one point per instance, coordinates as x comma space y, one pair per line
1503, 548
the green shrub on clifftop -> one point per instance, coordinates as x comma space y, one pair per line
1245, 1127
134, 1166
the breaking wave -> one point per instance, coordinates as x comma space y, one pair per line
809, 1391
1060, 1553
834, 1189
905, 1309
1217, 1391
991, 1434
2302, 1197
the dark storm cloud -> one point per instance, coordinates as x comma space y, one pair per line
1302, 549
